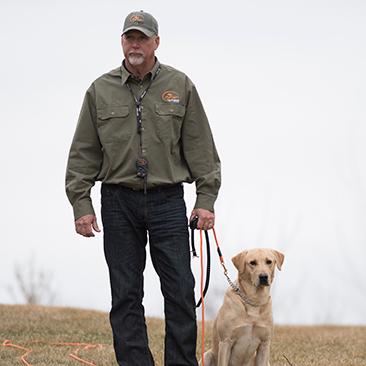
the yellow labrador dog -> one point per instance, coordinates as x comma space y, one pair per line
242, 330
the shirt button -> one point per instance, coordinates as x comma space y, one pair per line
144, 151
112, 113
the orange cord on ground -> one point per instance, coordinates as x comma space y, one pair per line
8, 343
74, 355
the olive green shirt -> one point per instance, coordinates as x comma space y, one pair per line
176, 137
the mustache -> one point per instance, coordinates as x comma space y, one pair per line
136, 54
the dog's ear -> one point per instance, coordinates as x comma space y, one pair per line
239, 261
279, 258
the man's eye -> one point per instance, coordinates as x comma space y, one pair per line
253, 263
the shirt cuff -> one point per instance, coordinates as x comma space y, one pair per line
82, 208
205, 201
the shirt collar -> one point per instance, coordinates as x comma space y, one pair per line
125, 74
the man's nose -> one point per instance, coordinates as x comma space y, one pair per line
135, 42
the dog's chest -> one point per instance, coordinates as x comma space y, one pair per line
248, 338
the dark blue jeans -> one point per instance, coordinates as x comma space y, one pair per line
128, 217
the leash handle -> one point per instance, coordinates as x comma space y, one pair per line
193, 223
193, 226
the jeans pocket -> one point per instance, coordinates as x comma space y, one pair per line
108, 192
174, 193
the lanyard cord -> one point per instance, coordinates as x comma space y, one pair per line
141, 164
138, 104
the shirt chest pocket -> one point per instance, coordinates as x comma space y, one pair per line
114, 123
169, 118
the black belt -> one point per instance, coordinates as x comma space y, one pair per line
161, 188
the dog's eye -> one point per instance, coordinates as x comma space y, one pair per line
268, 261
253, 263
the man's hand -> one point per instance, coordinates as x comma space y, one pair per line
85, 225
206, 219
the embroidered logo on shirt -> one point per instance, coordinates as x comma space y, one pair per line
170, 96
137, 19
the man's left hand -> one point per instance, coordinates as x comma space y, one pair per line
206, 219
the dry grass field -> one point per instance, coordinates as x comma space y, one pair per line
59, 336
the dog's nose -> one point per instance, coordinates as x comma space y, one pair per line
263, 279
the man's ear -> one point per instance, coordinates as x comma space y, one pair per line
279, 259
239, 261
157, 42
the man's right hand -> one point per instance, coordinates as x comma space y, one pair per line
84, 225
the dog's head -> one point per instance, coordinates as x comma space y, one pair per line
257, 266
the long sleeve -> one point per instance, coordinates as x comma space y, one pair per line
200, 152
85, 158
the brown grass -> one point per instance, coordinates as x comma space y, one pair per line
44, 330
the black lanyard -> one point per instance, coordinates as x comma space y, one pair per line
138, 103
141, 162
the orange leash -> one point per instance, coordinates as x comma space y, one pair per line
202, 289
8, 343
73, 355
203, 304
219, 251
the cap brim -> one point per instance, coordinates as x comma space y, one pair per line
141, 29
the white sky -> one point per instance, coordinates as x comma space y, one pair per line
283, 83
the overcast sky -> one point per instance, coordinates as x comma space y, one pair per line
283, 84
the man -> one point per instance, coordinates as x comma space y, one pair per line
142, 131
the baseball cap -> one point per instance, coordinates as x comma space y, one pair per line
141, 21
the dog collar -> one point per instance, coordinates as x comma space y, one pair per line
244, 297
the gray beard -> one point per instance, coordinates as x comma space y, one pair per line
136, 60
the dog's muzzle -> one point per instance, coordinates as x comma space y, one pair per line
263, 280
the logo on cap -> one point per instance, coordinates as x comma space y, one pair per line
137, 19
170, 96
